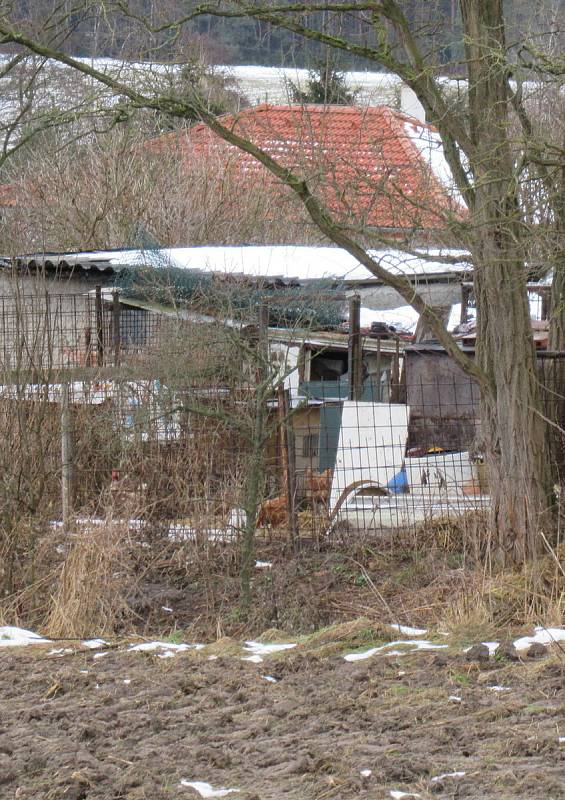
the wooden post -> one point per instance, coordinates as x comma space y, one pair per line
379, 398
66, 458
395, 376
546, 303
99, 327
288, 461
355, 355
465, 295
263, 334
116, 327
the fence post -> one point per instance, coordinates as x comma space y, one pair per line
288, 459
116, 327
395, 376
99, 327
355, 355
465, 297
66, 458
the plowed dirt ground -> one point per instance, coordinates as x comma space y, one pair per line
133, 725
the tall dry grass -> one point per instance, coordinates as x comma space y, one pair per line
95, 580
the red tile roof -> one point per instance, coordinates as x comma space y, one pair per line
364, 163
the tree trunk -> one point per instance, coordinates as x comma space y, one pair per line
513, 431
555, 373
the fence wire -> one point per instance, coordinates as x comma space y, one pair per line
164, 428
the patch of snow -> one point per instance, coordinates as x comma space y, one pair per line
212, 658
60, 651
263, 564
167, 609
499, 688
407, 631
439, 778
94, 644
414, 644
288, 262
100, 655
398, 795
366, 773
541, 636
260, 649
454, 698
127, 681
403, 318
253, 659
430, 146
492, 647
83, 671
167, 649
11, 636
206, 789
269, 678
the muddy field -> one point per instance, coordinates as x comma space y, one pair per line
131, 725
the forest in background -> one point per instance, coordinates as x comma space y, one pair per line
93, 31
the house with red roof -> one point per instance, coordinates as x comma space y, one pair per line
375, 168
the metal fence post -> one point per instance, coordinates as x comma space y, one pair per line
99, 327
116, 327
288, 459
66, 457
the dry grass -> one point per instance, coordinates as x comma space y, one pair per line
493, 600
95, 580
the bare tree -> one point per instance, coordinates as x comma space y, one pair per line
130, 186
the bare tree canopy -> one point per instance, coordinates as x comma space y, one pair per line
495, 150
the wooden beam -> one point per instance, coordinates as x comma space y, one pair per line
355, 354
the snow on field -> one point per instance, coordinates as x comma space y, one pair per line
398, 795
271, 84
492, 647
94, 644
18, 637
257, 650
541, 636
408, 631
206, 790
444, 775
163, 649
413, 644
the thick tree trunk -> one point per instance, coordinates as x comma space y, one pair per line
513, 428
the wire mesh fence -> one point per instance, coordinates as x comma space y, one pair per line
167, 439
